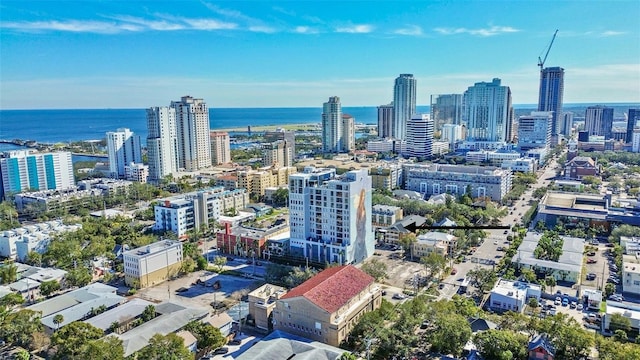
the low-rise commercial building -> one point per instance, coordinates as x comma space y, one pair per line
568, 267
385, 215
630, 280
152, 264
441, 243
326, 307
262, 301
509, 295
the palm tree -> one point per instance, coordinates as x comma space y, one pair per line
57, 320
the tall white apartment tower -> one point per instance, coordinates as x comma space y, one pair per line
348, 133
404, 104
488, 112
162, 142
192, 125
332, 125
123, 148
220, 147
534, 131
385, 121
22, 171
330, 216
419, 137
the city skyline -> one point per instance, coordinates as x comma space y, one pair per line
261, 54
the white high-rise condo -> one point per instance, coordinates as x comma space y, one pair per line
123, 148
404, 104
419, 137
192, 122
162, 142
332, 125
488, 113
348, 133
22, 171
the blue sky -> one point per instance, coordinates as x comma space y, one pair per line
135, 54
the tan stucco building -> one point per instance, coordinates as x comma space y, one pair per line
152, 264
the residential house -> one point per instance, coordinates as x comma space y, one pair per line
438, 242
509, 295
579, 167
540, 348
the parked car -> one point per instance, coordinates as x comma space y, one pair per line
454, 271
565, 302
580, 307
591, 253
235, 342
424, 325
591, 261
182, 289
222, 350
399, 296
558, 301
573, 305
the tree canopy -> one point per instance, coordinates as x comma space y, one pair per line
168, 347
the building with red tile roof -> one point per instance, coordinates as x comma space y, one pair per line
326, 307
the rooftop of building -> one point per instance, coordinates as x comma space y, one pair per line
582, 161
385, 208
434, 236
631, 264
281, 345
123, 313
514, 289
266, 291
570, 260
458, 169
333, 287
575, 201
152, 248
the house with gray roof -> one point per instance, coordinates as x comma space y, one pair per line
281, 345
567, 268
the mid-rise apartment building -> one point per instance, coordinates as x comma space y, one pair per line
257, 181
137, 172
284, 135
430, 179
385, 215
152, 264
123, 148
534, 131
220, 147
18, 242
23, 171
330, 215
419, 137
194, 210
278, 154
453, 134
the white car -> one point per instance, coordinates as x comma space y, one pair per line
399, 296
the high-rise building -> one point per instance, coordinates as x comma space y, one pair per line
419, 137
598, 120
633, 121
446, 109
332, 125
488, 112
567, 124
22, 171
404, 104
330, 216
550, 95
162, 142
278, 153
348, 133
282, 134
192, 123
635, 141
220, 147
534, 131
453, 134
123, 148
385, 121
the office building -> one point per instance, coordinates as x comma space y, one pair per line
348, 133
192, 124
534, 131
284, 135
332, 126
326, 307
419, 137
278, 154
453, 134
550, 96
508, 295
23, 171
330, 216
488, 113
152, 264
162, 142
566, 127
123, 148
385, 121
446, 109
633, 122
220, 147
598, 121
431, 179
192, 211
635, 141
404, 104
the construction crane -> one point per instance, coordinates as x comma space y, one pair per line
541, 61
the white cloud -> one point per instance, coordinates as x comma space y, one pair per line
484, 32
209, 24
355, 29
305, 30
284, 11
262, 29
98, 27
612, 33
411, 30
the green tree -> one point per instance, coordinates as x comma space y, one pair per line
501, 344
148, 313
482, 278
71, 339
57, 320
450, 334
49, 287
208, 336
11, 299
609, 289
79, 277
280, 197
8, 272
18, 328
623, 230
406, 241
433, 263
168, 347
620, 322
347, 356
299, 275
107, 348
376, 268
550, 281
219, 262
34, 258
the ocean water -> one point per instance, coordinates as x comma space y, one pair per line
50, 126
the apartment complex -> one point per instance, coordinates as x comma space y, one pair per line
18, 242
348, 133
385, 121
123, 148
192, 123
220, 147
598, 121
404, 104
385, 215
279, 153
257, 181
326, 307
191, 211
488, 112
419, 137
446, 109
283, 135
534, 131
330, 216
332, 126
430, 179
162, 142
550, 96
23, 171
152, 264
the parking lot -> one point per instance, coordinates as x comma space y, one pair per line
400, 272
